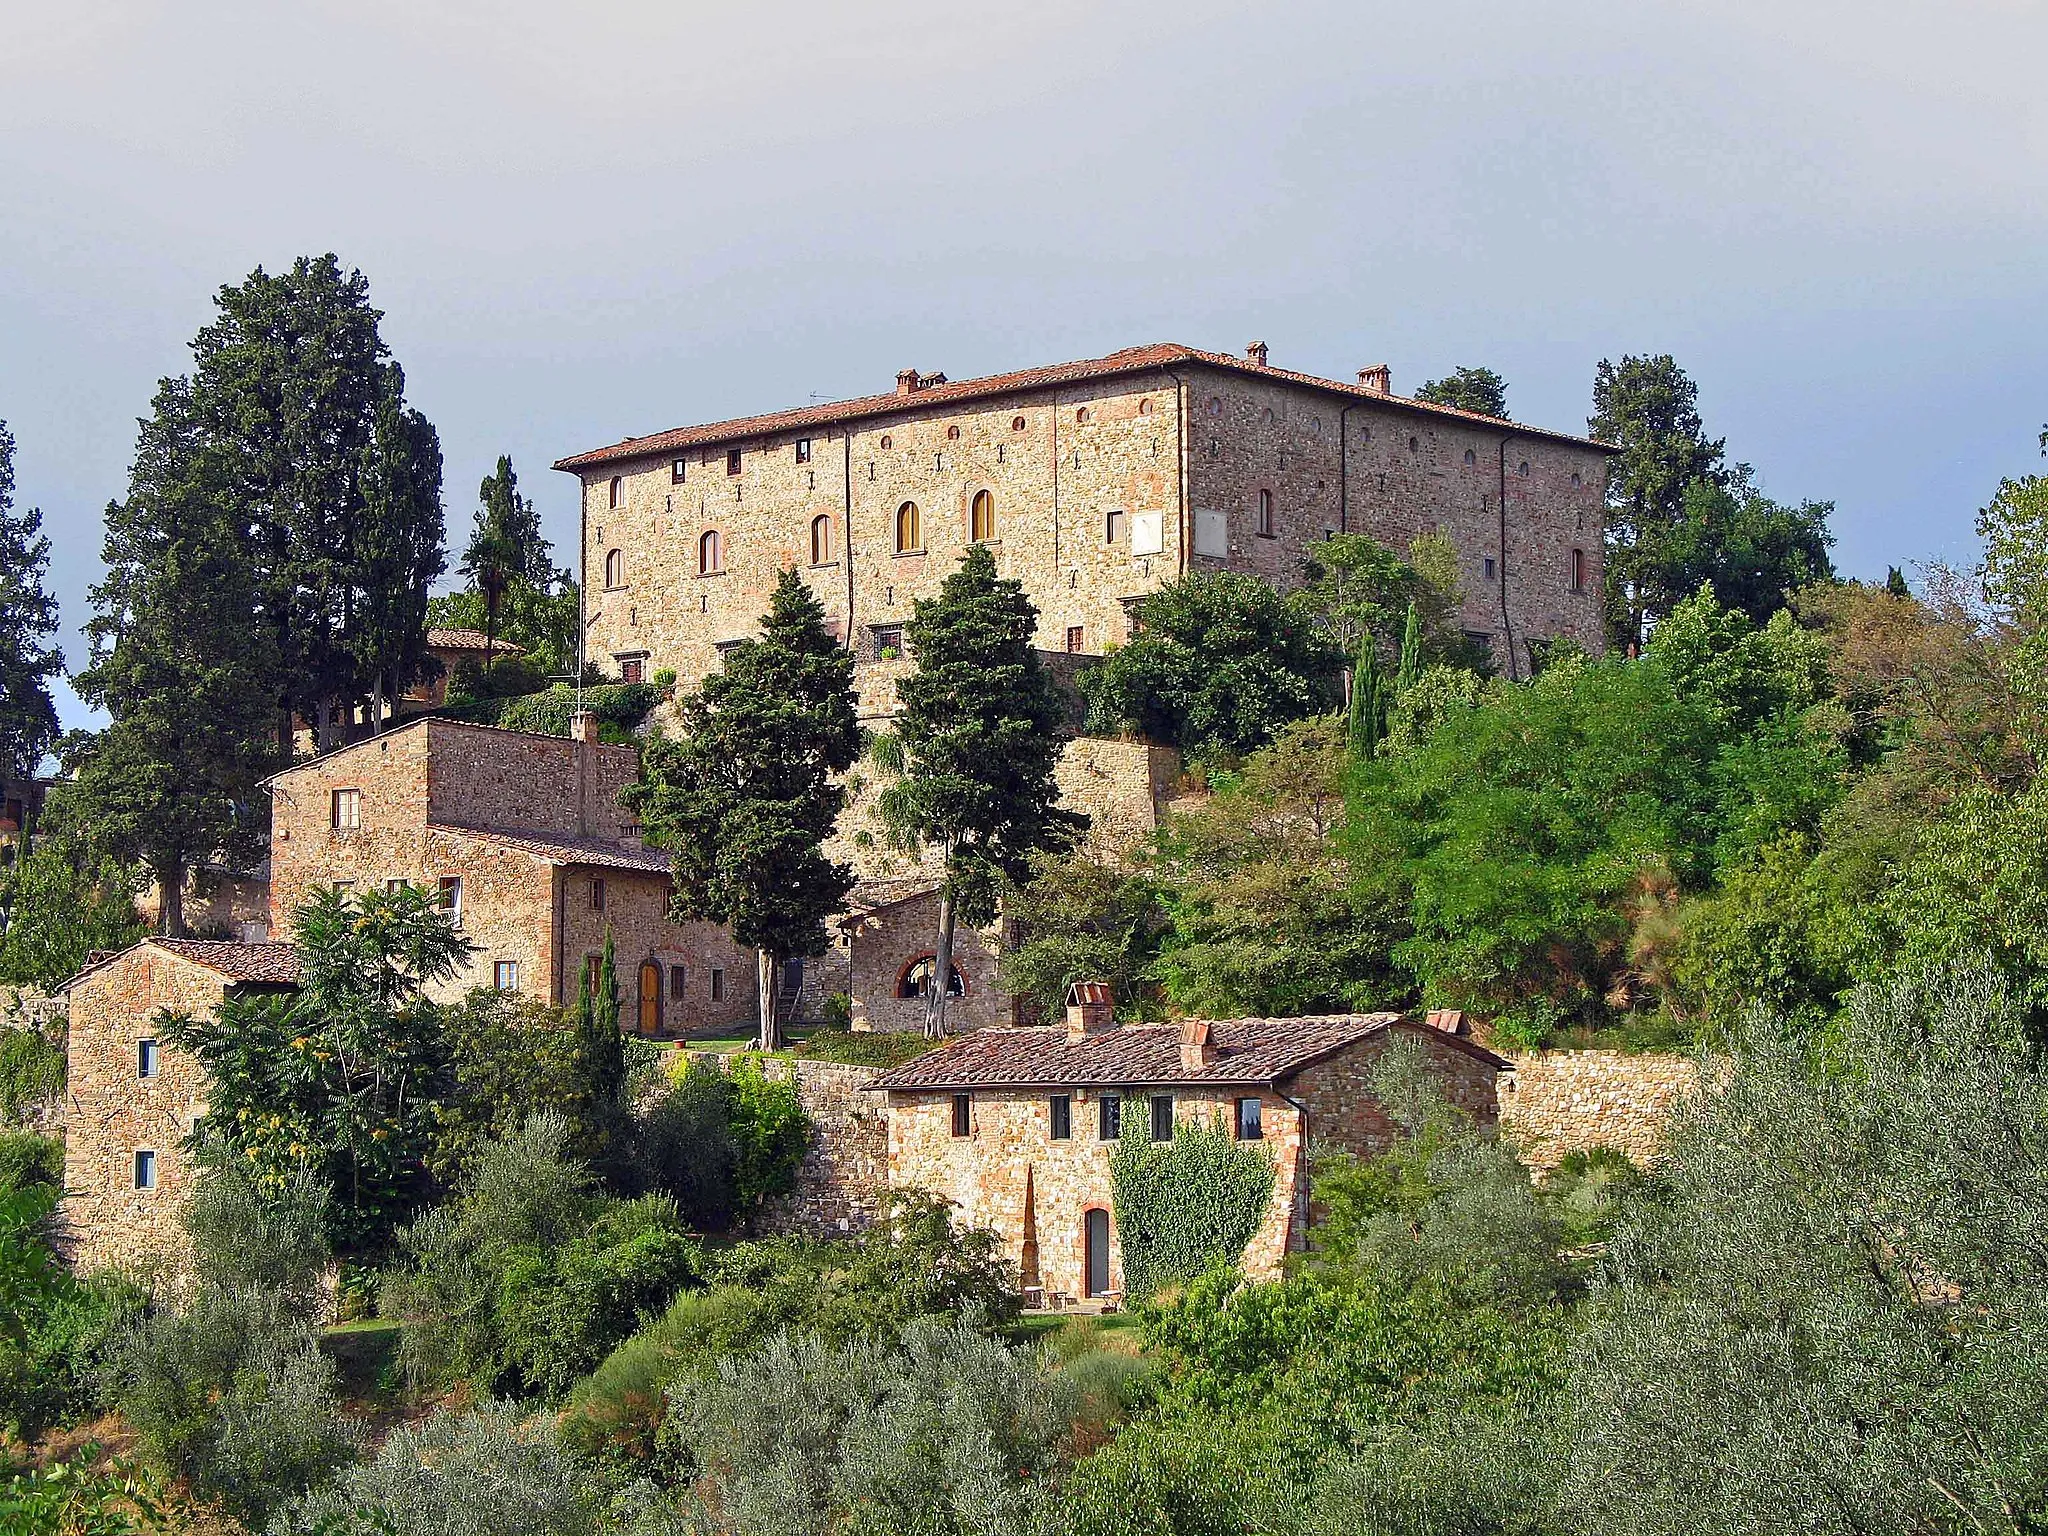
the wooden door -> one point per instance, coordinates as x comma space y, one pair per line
650, 998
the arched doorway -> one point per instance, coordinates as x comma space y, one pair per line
1096, 1245
650, 998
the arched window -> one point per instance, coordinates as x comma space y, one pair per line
1522, 468
1081, 416
981, 517
1145, 406
710, 553
1016, 423
888, 441
618, 491
821, 539
916, 980
1265, 514
908, 537
614, 568
952, 434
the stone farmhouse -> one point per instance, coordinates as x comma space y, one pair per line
1094, 482
131, 1100
525, 840
1017, 1126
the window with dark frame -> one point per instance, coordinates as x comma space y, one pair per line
346, 810
1265, 514
145, 1169
617, 492
1578, 570
1113, 525
888, 641
1489, 566
732, 461
909, 537
449, 897
710, 553
963, 1114
717, 984
597, 895
592, 965
821, 539
1249, 1127
678, 983
981, 517
1109, 1117
1077, 636
677, 470
505, 975
1162, 1117
803, 450
146, 1062
1062, 1117
632, 669
614, 569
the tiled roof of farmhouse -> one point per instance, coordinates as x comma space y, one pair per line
925, 396
272, 964
565, 850
1247, 1051
469, 640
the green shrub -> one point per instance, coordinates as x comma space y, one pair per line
1185, 1205
864, 1048
27, 1159
724, 1142
620, 1405
244, 1237
77, 1497
620, 708
31, 1071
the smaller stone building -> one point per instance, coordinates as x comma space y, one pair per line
1017, 1126
132, 1099
891, 929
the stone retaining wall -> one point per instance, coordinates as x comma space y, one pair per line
1556, 1102
847, 1166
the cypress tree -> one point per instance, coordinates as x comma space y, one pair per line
743, 795
604, 1015
28, 617
1362, 728
1411, 650
980, 733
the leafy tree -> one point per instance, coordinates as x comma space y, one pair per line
1358, 588
1479, 390
58, 904
1412, 662
1265, 916
1080, 920
28, 618
1753, 551
979, 736
344, 1076
743, 796
1806, 1317
1648, 409
506, 549
2014, 528
181, 662
1219, 664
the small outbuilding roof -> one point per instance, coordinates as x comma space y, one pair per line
470, 640
1249, 1052
268, 964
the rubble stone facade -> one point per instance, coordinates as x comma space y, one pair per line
845, 1167
1554, 1103
1093, 483
888, 937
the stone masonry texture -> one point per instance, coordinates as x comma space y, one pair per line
1556, 1102
845, 1168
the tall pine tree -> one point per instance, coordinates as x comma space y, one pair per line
28, 618
743, 794
980, 733
1362, 728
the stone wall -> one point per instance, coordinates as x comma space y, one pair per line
1556, 1102
846, 1168
886, 942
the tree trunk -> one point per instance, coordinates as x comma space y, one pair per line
768, 978
377, 705
942, 971
170, 884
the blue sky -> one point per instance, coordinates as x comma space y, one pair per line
594, 219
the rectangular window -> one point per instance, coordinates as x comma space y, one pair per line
597, 895
343, 887
888, 641
717, 985
1489, 566
1248, 1126
1109, 1117
145, 1058
1076, 638
803, 450
1162, 1117
1062, 1117
678, 982
677, 470
450, 896
963, 1114
1112, 525
505, 975
732, 461
1578, 570
346, 812
145, 1170
633, 670
592, 965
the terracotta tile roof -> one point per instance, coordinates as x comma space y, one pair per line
1130, 360
1248, 1051
557, 849
469, 640
274, 964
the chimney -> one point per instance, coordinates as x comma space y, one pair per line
1090, 1009
583, 727
1197, 1045
1379, 378
907, 382
1450, 1020
1256, 352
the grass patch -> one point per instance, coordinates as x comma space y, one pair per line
365, 1356
863, 1048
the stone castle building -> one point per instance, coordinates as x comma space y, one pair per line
1017, 1126
1094, 483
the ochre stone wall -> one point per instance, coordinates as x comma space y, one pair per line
1058, 461
110, 1113
845, 1168
1556, 1102
886, 942
717, 993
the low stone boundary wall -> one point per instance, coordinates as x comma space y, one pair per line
1556, 1102
847, 1166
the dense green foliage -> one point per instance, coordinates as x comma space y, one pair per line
1219, 663
1469, 389
723, 1142
53, 1326
28, 618
31, 1071
744, 793
1079, 920
59, 904
1187, 1204
620, 709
